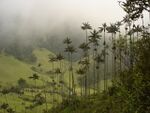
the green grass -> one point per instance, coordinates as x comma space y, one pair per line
12, 69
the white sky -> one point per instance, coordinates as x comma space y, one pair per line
93, 11
46, 15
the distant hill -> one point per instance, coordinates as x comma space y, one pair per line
11, 69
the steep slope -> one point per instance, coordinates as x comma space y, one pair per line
12, 69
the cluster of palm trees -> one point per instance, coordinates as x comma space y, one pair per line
70, 50
115, 55
93, 59
58, 84
101, 57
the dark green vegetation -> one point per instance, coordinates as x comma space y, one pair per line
111, 76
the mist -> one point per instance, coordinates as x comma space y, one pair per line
27, 19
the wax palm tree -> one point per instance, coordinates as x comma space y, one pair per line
98, 60
81, 72
52, 60
130, 17
121, 46
113, 29
118, 24
137, 29
103, 29
60, 57
68, 41
86, 26
58, 73
85, 67
34, 77
85, 47
93, 39
71, 50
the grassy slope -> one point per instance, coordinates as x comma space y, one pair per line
12, 69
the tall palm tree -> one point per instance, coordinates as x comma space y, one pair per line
52, 60
86, 26
113, 29
71, 49
58, 72
85, 67
98, 60
68, 41
118, 24
85, 47
137, 29
81, 72
103, 28
93, 39
129, 18
34, 77
60, 57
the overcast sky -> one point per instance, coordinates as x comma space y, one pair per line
47, 15
94, 11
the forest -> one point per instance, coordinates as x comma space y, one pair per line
104, 70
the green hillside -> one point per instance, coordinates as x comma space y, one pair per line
17, 69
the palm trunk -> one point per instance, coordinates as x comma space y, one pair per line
113, 56
133, 41
105, 85
131, 62
69, 92
107, 69
126, 50
62, 80
72, 75
87, 87
86, 84
94, 69
120, 53
98, 77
